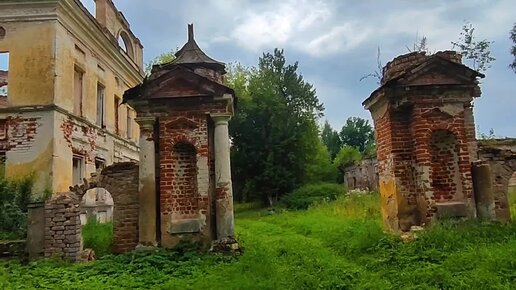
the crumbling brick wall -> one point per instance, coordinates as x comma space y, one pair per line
501, 157
184, 175
63, 227
423, 118
121, 181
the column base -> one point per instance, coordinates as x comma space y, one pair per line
226, 245
146, 246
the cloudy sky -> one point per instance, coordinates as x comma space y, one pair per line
336, 41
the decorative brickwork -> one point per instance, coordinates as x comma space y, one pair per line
63, 227
425, 138
179, 104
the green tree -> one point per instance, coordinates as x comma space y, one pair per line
477, 52
357, 133
513, 48
347, 155
331, 139
274, 132
319, 165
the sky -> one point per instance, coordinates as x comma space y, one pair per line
336, 42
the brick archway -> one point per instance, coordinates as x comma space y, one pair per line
121, 180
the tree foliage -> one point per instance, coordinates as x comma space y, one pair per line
513, 48
331, 139
477, 52
357, 133
347, 155
161, 59
274, 133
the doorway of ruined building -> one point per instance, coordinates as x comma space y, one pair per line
96, 216
445, 174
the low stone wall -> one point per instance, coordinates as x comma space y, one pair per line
10, 249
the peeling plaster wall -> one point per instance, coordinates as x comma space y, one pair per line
28, 147
46, 41
31, 49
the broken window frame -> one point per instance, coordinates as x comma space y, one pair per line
4, 90
78, 94
101, 105
78, 171
129, 123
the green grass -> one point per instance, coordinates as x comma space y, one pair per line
98, 236
334, 245
512, 201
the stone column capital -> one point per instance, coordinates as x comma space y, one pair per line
220, 119
146, 122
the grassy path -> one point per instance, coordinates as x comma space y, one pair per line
333, 246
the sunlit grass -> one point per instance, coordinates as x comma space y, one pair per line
332, 245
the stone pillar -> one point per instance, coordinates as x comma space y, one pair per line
36, 230
147, 183
223, 187
483, 189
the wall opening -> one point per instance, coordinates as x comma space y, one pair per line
77, 169
78, 89
124, 41
96, 217
129, 123
98, 203
185, 178
117, 114
4, 78
445, 175
101, 105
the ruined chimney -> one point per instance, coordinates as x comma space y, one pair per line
190, 32
101, 11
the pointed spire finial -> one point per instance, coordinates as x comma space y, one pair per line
190, 32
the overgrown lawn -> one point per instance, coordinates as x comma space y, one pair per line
336, 245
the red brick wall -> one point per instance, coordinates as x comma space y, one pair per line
445, 176
184, 185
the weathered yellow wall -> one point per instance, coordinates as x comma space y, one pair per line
31, 74
97, 69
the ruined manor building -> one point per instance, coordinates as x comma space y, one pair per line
63, 73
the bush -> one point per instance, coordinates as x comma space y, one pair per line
14, 199
98, 236
307, 195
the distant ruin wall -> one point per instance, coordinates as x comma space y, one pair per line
363, 175
500, 154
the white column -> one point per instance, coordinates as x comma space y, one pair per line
147, 183
223, 187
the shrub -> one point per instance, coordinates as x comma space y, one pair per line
98, 236
14, 198
305, 196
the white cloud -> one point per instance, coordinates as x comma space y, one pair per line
280, 24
